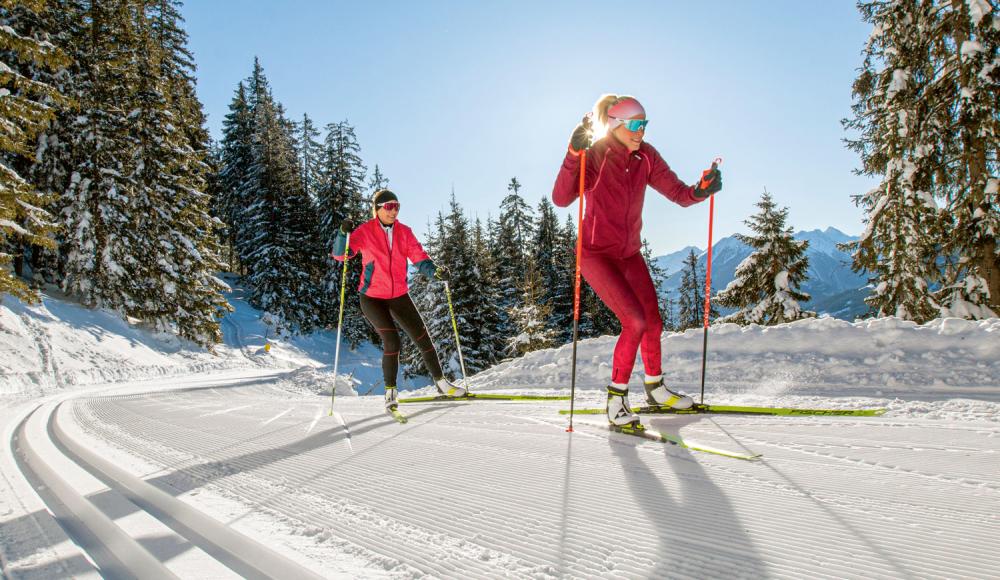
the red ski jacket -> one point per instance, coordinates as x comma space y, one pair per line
614, 189
383, 273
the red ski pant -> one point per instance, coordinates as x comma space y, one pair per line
627, 289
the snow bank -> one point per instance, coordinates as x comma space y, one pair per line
58, 344
944, 358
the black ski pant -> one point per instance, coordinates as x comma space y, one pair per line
381, 312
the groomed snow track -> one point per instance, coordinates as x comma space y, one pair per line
48, 457
490, 489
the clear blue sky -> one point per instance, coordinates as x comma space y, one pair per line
471, 93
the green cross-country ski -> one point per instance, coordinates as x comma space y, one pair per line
485, 397
739, 410
397, 415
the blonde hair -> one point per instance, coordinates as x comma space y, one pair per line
601, 107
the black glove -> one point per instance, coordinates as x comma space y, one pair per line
347, 226
711, 182
441, 273
582, 136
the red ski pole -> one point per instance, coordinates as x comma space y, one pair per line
706, 178
576, 289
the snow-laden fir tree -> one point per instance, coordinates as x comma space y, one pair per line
966, 53
178, 70
310, 152
279, 248
513, 238
545, 254
530, 315
899, 140
180, 254
490, 334
926, 114
342, 195
26, 107
471, 298
60, 23
765, 289
235, 180
377, 181
103, 233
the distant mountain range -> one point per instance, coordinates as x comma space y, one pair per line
835, 289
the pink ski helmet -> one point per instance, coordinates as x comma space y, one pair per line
625, 108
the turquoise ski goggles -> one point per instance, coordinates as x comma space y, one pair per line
634, 125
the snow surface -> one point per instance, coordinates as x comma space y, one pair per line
501, 489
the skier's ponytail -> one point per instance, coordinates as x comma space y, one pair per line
602, 105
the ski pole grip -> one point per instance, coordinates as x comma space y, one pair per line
708, 176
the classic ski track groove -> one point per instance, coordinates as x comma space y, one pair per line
297, 480
113, 547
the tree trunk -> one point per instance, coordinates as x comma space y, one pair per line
990, 268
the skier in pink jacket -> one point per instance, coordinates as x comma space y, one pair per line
385, 245
619, 167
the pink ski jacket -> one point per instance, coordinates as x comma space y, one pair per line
614, 189
383, 273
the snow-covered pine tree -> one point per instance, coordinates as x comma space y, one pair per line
310, 152
513, 238
60, 23
179, 256
215, 191
897, 140
544, 254
668, 311
926, 113
530, 315
456, 251
103, 232
766, 287
377, 181
178, 70
341, 194
236, 177
27, 107
491, 337
966, 51
278, 249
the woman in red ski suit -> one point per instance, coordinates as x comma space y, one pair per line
619, 167
385, 245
